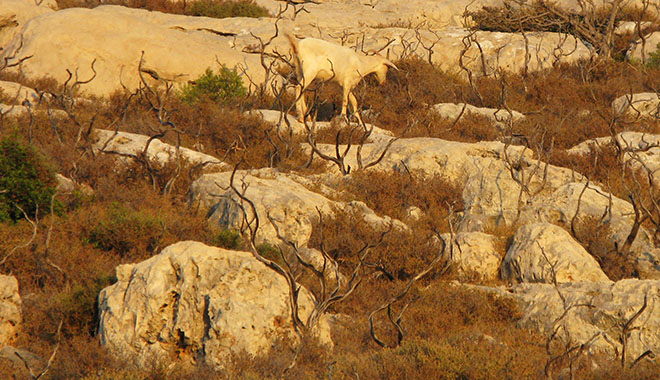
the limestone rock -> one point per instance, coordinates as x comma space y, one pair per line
473, 253
180, 48
177, 48
501, 116
131, 144
625, 27
11, 354
18, 92
641, 51
490, 173
560, 207
640, 105
10, 310
197, 302
292, 207
640, 150
15, 13
541, 251
613, 305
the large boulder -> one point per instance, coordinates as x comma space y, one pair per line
11, 316
197, 302
173, 47
596, 310
543, 252
576, 200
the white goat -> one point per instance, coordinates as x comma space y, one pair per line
318, 59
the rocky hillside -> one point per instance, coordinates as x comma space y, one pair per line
490, 211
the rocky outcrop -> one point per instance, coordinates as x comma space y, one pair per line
11, 316
281, 201
491, 173
543, 252
473, 254
598, 311
115, 37
196, 302
131, 144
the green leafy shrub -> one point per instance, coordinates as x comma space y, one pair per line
653, 60
224, 9
228, 239
78, 306
270, 252
222, 87
27, 180
125, 231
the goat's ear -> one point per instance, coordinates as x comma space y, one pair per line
390, 64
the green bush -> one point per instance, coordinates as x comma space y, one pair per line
653, 60
223, 87
27, 180
78, 306
124, 231
228, 239
223, 9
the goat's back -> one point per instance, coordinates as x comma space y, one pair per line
326, 56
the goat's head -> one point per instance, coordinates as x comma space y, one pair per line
381, 69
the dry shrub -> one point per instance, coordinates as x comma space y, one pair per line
407, 92
595, 236
392, 193
208, 8
450, 332
402, 254
590, 25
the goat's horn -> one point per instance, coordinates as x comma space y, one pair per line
390, 64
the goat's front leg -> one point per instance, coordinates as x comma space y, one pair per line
354, 104
301, 107
344, 102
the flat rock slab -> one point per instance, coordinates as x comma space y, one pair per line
495, 116
133, 144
